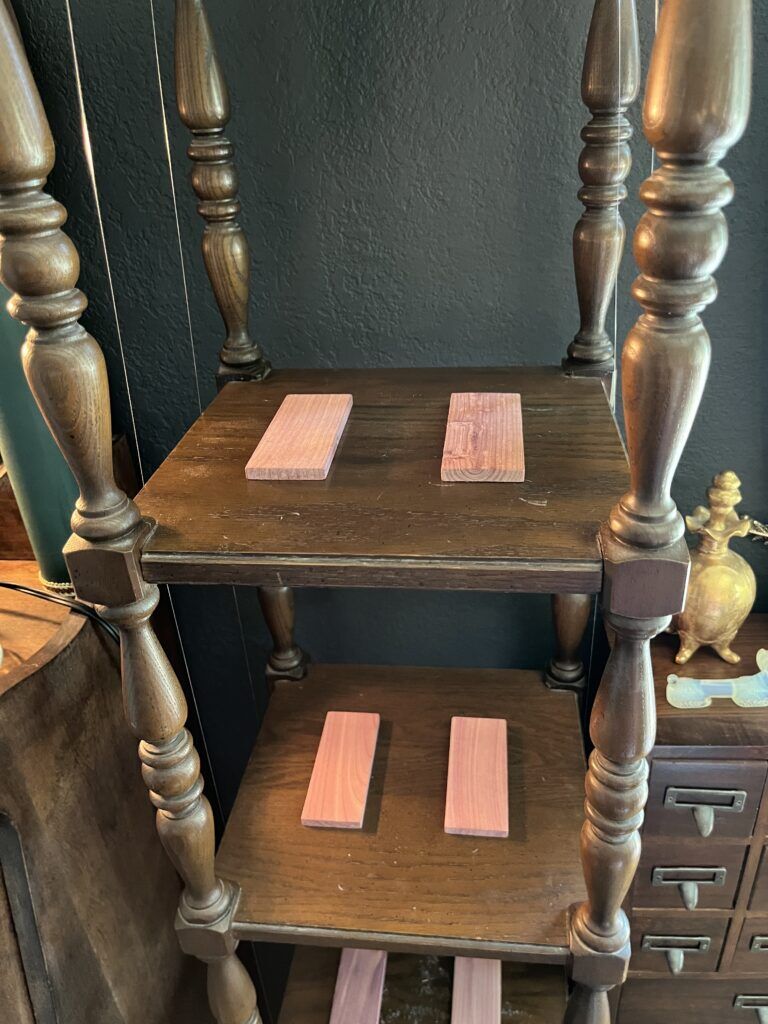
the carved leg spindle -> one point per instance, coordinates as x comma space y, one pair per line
67, 375
696, 107
609, 85
203, 102
570, 615
287, 660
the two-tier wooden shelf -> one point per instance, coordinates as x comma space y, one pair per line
590, 518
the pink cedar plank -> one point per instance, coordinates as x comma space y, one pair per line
476, 991
484, 438
341, 775
301, 440
359, 987
477, 801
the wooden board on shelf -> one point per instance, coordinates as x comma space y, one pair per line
341, 774
301, 439
401, 883
483, 438
418, 989
359, 987
476, 991
477, 798
383, 517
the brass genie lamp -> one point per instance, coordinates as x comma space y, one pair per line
722, 586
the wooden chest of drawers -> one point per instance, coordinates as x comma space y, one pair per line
699, 905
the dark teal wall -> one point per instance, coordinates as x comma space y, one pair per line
408, 181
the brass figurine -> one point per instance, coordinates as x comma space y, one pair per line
722, 586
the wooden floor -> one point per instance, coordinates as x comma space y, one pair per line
417, 990
401, 883
383, 517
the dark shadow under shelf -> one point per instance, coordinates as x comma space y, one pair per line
417, 990
383, 517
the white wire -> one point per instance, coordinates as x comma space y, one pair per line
655, 30
615, 374
182, 260
175, 206
88, 152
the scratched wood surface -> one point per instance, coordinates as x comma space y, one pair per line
400, 882
359, 987
417, 990
341, 774
484, 438
477, 800
301, 440
383, 517
476, 991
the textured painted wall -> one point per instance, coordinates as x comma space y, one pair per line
408, 181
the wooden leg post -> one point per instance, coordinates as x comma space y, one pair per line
66, 372
287, 660
570, 616
203, 102
696, 107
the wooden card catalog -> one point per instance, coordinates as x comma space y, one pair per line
477, 801
484, 438
338, 788
301, 440
359, 987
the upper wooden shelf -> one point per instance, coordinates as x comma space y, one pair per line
401, 883
419, 988
383, 517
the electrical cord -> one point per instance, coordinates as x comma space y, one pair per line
69, 602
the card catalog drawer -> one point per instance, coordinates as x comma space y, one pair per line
759, 900
708, 799
676, 944
688, 876
751, 955
689, 1001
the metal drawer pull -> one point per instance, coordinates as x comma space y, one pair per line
688, 881
675, 947
759, 944
757, 1003
704, 803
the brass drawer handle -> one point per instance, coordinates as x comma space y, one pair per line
675, 947
688, 881
759, 944
704, 803
757, 1003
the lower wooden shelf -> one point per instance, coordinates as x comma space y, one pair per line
401, 883
417, 989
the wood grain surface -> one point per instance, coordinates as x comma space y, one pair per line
401, 883
417, 990
484, 438
723, 723
338, 787
301, 440
359, 987
477, 799
383, 517
26, 623
476, 991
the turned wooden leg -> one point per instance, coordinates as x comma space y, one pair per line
156, 712
287, 660
622, 728
570, 615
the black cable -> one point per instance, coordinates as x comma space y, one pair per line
69, 602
